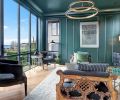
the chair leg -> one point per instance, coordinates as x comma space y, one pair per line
43, 66
25, 85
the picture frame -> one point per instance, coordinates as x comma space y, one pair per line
89, 35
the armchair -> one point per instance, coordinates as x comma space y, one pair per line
11, 73
48, 57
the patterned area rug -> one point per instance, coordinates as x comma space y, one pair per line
46, 90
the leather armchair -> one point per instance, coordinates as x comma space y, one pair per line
11, 73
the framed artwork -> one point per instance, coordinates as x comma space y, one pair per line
89, 35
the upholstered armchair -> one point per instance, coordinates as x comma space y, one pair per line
48, 57
11, 73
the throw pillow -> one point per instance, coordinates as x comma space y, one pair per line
82, 57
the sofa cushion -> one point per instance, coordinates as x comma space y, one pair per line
11, 68
72, 93
93, 96
8, 77
102, 67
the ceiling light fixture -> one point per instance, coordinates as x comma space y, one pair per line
89, 4
80, 7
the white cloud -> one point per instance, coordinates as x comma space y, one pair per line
5, 27
8, 41
24, 41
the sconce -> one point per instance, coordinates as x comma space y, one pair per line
119, 38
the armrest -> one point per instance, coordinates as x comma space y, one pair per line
8, 61
11, 68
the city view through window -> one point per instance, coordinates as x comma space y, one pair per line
11, 32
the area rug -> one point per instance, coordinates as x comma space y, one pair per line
46, 90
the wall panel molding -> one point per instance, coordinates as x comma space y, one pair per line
73, 35
66, 40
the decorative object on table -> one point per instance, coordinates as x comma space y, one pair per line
89, 35
84, 7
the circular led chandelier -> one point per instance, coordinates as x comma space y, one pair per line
86, 6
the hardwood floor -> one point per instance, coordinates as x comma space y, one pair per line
16, 92
34, 77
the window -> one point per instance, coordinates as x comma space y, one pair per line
11, 33
53, 36
10, 28
53, 28
33, 33
89, 35
24, 36
24, 32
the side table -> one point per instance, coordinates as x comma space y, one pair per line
36, 60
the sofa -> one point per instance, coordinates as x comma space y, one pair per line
88, 82
11, 73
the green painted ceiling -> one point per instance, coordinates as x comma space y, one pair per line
56, 6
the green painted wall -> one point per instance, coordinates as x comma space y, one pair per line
109, 30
